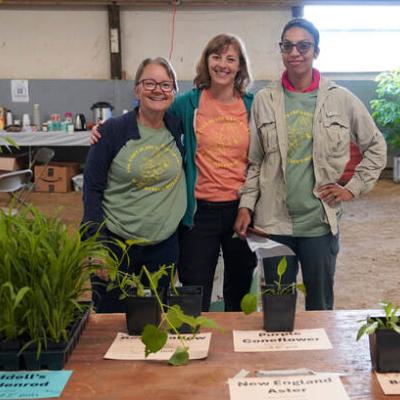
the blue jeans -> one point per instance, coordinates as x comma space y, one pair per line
317, 257
199, 252
152, 256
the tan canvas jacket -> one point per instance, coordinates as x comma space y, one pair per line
340, 117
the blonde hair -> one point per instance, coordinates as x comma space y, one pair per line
217, 45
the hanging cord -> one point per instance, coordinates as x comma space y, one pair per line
174, 4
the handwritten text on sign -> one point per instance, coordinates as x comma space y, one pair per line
127, 347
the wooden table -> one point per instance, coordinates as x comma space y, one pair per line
96, 378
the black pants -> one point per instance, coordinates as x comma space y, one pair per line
199, 251
152, 256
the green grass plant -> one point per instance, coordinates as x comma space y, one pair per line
44, 273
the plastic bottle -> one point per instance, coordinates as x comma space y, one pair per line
69, 124
36, 117
26, 123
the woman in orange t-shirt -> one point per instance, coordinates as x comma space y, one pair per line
216, 138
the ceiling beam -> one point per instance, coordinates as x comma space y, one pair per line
193, 3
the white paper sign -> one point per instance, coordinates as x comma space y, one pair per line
265, 248
20, 91
125, 347
390, 383
301, 339
306, 387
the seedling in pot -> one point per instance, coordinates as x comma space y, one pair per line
154, 336
249, 301
390, 321
384, 339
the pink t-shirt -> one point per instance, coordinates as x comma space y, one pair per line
222, 133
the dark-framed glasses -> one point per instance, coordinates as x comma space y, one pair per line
302, 46
151, 84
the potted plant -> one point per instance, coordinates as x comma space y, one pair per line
384, 339
163, 318
43, 275
386, 112
189, 299
278, 302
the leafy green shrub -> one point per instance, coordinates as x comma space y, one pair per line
386, 108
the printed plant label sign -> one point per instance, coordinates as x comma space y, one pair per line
301, 339
306, 387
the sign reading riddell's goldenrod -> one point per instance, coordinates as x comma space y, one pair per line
302, 339
307, 387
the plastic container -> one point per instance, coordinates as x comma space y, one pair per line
36, 116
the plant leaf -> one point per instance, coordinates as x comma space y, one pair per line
180, 356
174, 316
393, 326
153, 338
207, 323
249, 303
361, 332
282, 266
301, 287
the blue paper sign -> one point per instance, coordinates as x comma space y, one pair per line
32, 384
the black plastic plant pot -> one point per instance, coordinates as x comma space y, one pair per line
384, 347
9, 359
141, 311
189, 299
278, 310
55, 356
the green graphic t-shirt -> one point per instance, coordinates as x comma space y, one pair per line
146, 193
305, 209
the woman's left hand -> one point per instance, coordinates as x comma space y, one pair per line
333, 193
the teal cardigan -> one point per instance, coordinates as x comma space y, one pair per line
185, 107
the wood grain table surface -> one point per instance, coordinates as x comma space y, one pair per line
96, 378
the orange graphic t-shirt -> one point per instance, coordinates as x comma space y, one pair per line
222, 133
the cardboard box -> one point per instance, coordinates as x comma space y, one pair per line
55, 177
9, 164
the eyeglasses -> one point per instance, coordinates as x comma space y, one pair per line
151, 84
302, 46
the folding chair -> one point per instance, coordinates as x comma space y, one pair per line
14, 183
42, 156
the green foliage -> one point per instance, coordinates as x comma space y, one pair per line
155, 337
386, 108
249, 301
180, 356
44, 272
8, 142
390, 321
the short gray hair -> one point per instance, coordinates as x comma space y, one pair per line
163, 62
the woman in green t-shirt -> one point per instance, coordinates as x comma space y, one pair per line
134, 183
